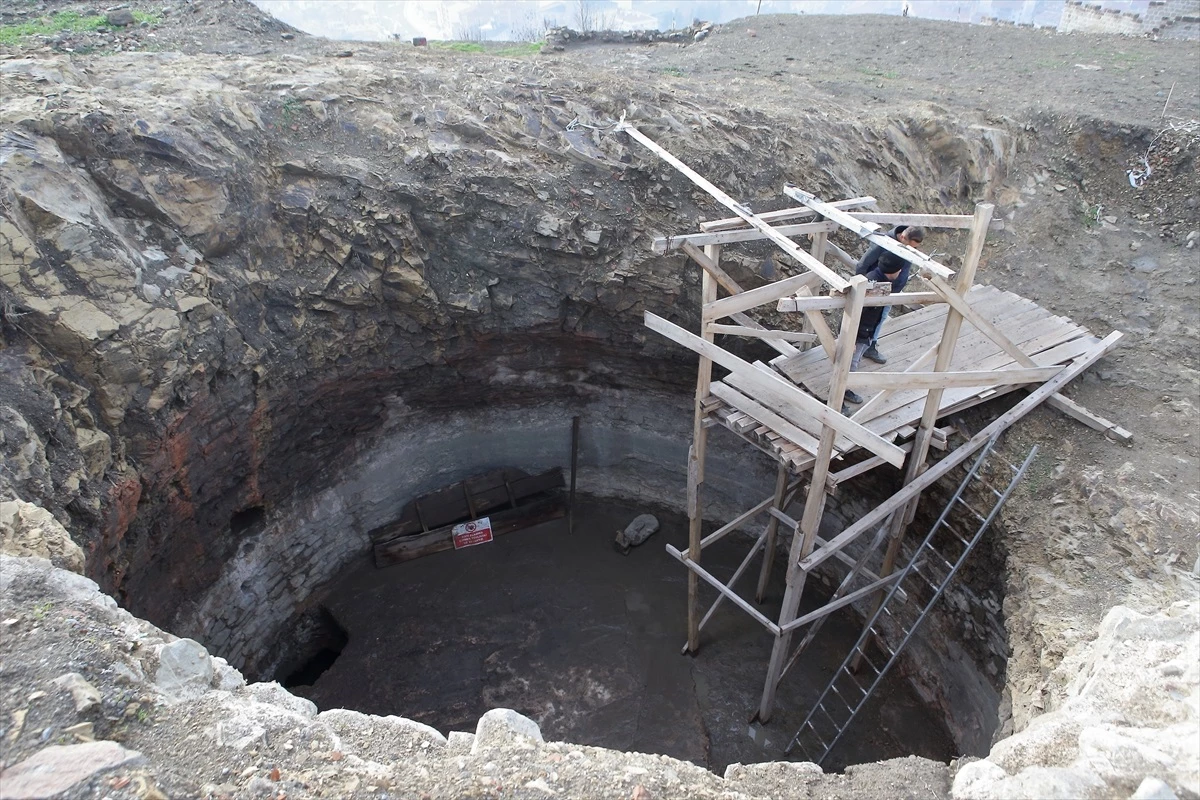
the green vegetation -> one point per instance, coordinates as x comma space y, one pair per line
675, 72
506, 49
459, 47
62, 21
526, 49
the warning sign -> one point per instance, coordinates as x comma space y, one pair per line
477, 531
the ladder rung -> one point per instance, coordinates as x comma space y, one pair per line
957, 535
841, 697
868, 661
970, 508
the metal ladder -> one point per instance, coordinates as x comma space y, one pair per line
827, 721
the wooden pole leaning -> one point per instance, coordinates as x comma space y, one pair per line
696, 453
804, 537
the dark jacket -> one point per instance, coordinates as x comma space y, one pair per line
872, 314
870, 260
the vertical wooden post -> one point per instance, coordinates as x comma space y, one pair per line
764, 576
820, 243
805, 535
945, 354
574, 469
696, 453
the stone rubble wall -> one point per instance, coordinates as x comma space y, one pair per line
1171, 19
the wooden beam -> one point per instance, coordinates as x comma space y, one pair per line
797, 212
946, 380
696, 456
664, 244
758, 543
1094, 421
820, 327
776, 390
925, 220
720, 587
779, 502
841, 602
831, 302
869, 231
760, 296
756, 333
960, 453
784, 243
867, 411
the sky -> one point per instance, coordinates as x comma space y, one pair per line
514, 20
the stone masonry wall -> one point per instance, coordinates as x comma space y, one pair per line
1174, 19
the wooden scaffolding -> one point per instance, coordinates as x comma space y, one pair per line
964, 345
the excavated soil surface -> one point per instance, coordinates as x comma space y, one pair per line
585, 641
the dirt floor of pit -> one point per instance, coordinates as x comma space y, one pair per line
587, 642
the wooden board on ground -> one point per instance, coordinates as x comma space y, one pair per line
475, 497
406, 548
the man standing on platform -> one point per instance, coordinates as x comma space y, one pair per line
888, 267
911, 235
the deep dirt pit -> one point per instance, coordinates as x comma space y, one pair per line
172, 386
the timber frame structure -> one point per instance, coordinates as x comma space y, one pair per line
962, 346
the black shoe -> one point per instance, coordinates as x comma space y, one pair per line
853, 397
873, 353
847, 411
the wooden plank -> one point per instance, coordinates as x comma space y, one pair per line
841, 255
944, 380
774, 390
784, 243
720, 587
830, 302
869, 231
407, 548
925, 220
445, 506
960, 454
755, 333
1094, 421
757, 297
697, 452
764, 415
797, 212
733, 524
841, 602
664, 244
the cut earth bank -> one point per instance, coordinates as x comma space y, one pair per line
232, 264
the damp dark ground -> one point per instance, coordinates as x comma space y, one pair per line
586, 641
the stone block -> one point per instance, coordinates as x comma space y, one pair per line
184, 670
57, 769
502, 727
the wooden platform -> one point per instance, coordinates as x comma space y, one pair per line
1048, 339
